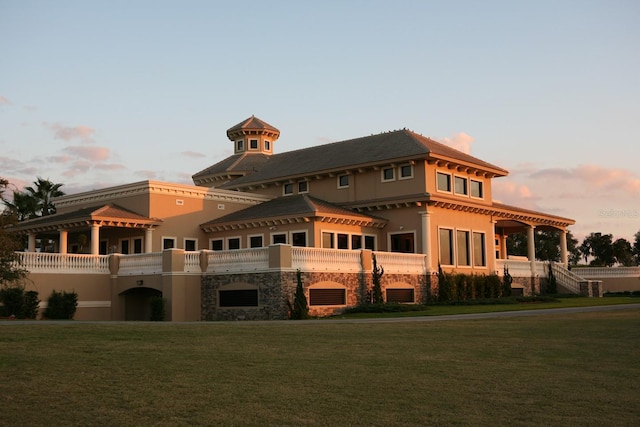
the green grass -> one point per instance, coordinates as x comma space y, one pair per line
579, 369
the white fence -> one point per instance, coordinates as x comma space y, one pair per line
241, 260
606, 272
318, 259
44, 262
150, 263
401, 263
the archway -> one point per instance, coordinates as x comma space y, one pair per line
137, 302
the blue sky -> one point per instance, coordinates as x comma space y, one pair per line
95, 93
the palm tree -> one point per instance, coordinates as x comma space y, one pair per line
24, 206
43, 193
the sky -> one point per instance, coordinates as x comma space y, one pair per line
102, 93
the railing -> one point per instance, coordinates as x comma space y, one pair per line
602, 272
395, 262
319, 259
238, 260
516, 268
192, 262
566, 278
44, 262
150, 263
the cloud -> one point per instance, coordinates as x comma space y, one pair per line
95, 154
513, 193
460, 141
110, 166
68, 133
594, 178
193, 154
5, 101
148, 174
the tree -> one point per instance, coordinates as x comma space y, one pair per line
24, 206
377, 273
636, 247
547, 244
600, 247
43, 193
299, 309
623, 252
11, 274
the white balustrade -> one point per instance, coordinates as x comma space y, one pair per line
241, 260
566, 278
401, 263
140, 264
320, 259
516, 268
45, 262
192, 262
603, 272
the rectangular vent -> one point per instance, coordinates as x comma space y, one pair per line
327, 296
179, 202
221, 206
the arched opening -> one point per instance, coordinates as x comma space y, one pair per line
137, 302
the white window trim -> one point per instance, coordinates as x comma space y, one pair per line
215, 240
175, 241
415, 236
484, 250
453, 187
303, 192
481, 188
469, 248
284, 186
254, 235
240, 145
348, 181
453, 246
400, 177
392, 169
257, 144
306, 236
450, 182
286, 234
184, 242
226, 242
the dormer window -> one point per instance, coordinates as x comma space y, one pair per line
287, 189
253, 144
240, 145
267, 145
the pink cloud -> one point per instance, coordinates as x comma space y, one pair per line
4, 101
95, 154
513, 193
594, 178
68, 133
460, 141
194, 154
110, 166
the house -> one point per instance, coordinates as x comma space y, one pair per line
400, 195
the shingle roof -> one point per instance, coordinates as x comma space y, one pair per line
289, 207
369, 150
236, 164
252, 123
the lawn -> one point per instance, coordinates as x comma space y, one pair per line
579, 369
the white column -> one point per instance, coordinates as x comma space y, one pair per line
63, 242
491, 246
564, 258
31, 245
148, 242
531, 249
95, 239
425, 218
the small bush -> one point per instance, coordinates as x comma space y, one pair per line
61, 305
158, 309
16, 302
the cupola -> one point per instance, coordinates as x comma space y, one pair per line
253, 136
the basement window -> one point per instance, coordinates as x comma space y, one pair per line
238, 298
400, 295
331, 296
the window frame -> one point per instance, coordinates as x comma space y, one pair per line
449, 182
169, 238
211, 246
400, 169
190, 239
340, 185
253, 236
281, 233
465, 181
306, 187
466, 247
303, 232
287, 185
452, 252
480, 186
383, 172
483, 248
228, 240
251, 145
240, 145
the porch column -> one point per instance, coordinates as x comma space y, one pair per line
425, 218
531, 249
31, 245
503, 246
564, 258
148, 236
95, 239
63, 242
491, 246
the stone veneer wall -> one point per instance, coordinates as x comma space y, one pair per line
275, 288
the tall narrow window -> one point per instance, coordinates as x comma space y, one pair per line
461, 185
124, 247
343, 241
476, 189
444, 181
462, 246
370, 242
356, 241
137, 245
479, 259
327, 240
446, 246
240, 145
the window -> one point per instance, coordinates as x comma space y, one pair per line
124, 247
476, 189
479, 260
402, 243
137, 245
446, 246
287, 189
253, 144
190, 244
279, 238
217, 245
267, 145
370, 242
102, 248
240, 145
255, 241
331, 296
303, 187
388, 174
233, 243
327, 240
168, 242
461, 185
356, 242
406, 171
343, 241
400, 295
238, 298
299, 238
343, 181
444, 181
462, 245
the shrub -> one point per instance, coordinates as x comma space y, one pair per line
552, 284
299, 309
16, 302
61, 305
158, 310
376, 275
